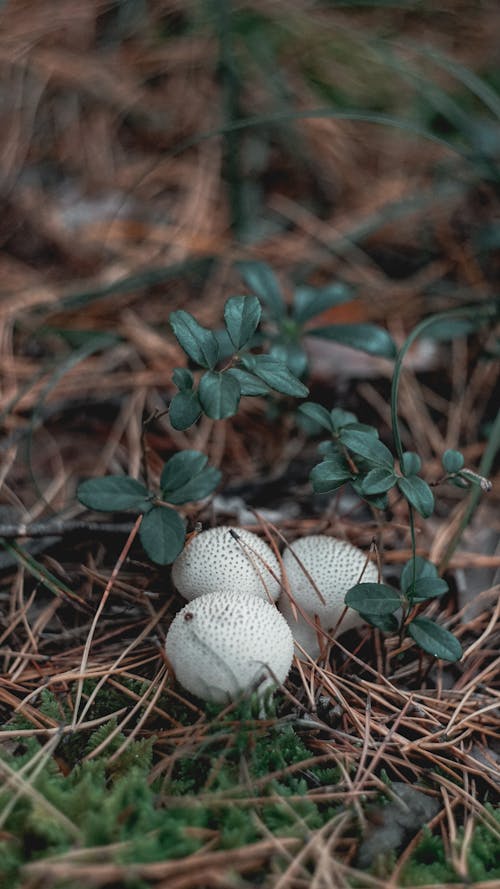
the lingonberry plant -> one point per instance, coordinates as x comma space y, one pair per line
260, 351
229, 370
354, 454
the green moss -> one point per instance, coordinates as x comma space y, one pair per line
428, 863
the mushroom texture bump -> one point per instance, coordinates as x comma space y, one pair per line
335, 566
223, 645
224, 559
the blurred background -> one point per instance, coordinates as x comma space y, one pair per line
149, 146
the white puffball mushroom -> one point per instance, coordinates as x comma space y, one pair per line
221, 646
335, 566
215, 561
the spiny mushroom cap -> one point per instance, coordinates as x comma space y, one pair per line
334, 566
214, 561
225, 644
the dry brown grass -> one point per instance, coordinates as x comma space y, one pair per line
96, 192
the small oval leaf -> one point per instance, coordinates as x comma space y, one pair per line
292, 354
330, 475
368, 446
418, 493
276, 374
411, 463
310, 301
198, 342
453, 461
202, 485
373, 598
241, 316
423, 568
435, 639
219, 395
386, 622
341, 418
263, 282
377, 500
183, 379
318, 413
249, 383
113, 493
365, 337
162, 535
184, 410
378, 481
428, 588
181, 468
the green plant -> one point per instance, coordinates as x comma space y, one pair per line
219, 388
116, 803
185, 476
285, 327
355, 455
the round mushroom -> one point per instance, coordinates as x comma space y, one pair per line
224, 559
334, 566
221, 646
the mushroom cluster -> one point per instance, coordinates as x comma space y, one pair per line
230, 638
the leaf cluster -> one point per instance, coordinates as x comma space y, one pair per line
185, 477
286, 326
354, 454
220, 388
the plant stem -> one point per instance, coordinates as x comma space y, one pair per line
465, 312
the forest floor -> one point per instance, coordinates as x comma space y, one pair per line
367, 153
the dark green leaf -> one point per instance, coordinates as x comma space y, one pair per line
226, 348
366, 337
162, 534
341, 418
183, 379
435, 639
366, 445
311, 301
242, 316
113, 493
329, 449
378, 481
180, 468
411, 463
184, 410
428, 588
249, 383
418, 493
453, 461
202, 485
330, 475
293, 355
261, 280
423, 568
219, 395
453, 328
275, 374
198, 342
318, 413
386, 622
377, 500
373, 598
